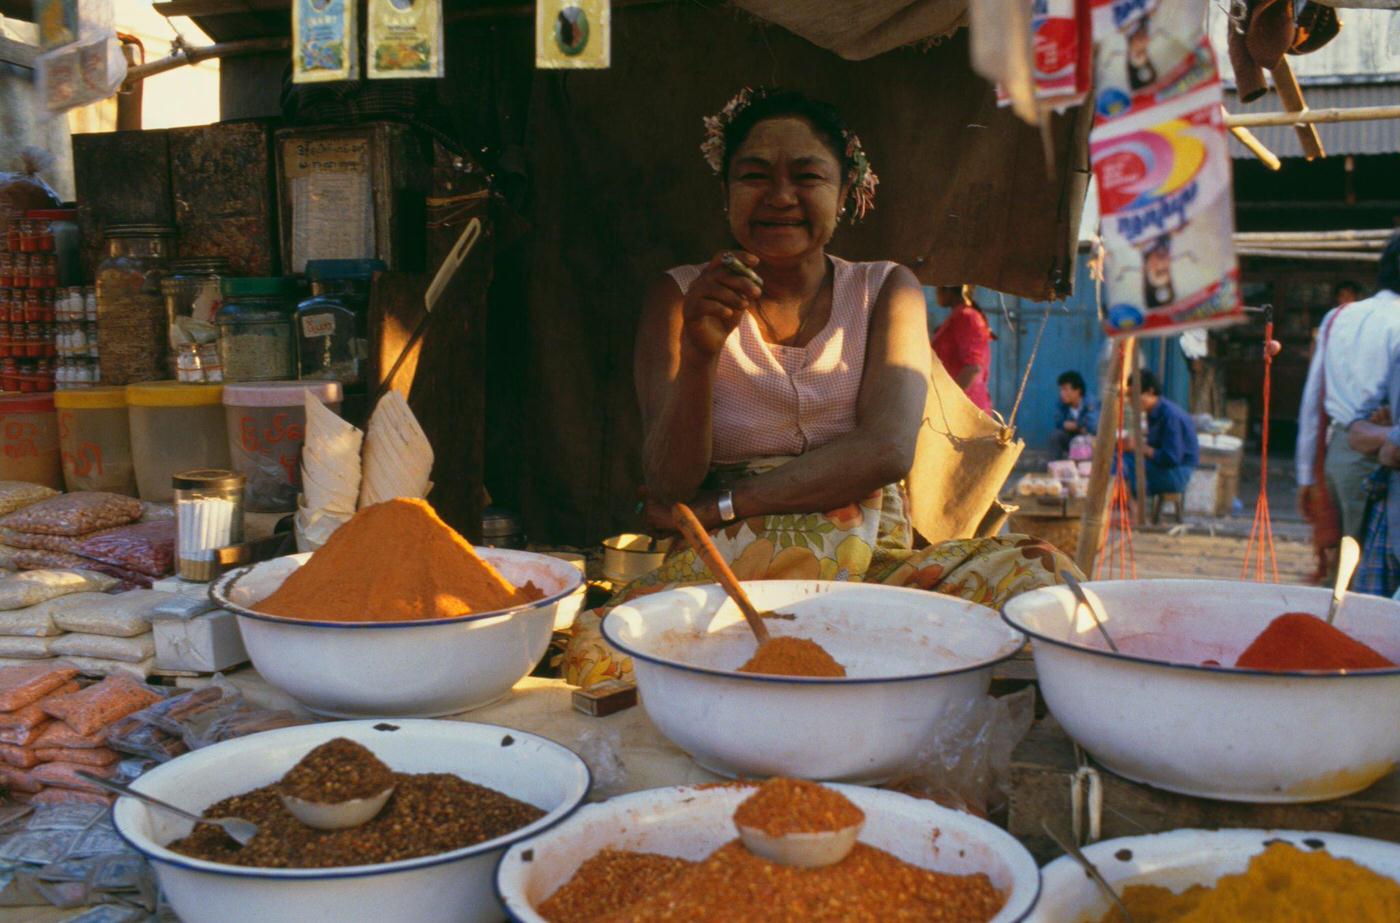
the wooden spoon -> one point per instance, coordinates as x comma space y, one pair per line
699, 541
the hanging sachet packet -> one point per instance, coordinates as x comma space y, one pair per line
324, 45
404, 39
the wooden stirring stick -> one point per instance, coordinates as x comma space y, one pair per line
699, 541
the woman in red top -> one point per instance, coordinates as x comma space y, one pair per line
963, 343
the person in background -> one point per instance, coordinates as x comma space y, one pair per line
963, 343
1347, 377
1172, 451
1075, 415
1345, 292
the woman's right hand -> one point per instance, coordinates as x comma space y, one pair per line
715, 303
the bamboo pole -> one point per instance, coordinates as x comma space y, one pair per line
1356, 245
1139, 456
185, 55
1291, 95
1095, 523
1369, 256
1256, 147
1368, 234
1312, 117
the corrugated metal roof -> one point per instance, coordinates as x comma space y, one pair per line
1378, 136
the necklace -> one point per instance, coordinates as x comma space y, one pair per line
805, 312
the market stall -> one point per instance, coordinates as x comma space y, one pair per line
318, 424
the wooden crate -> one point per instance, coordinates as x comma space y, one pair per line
1043, 765
121, 177
224, 184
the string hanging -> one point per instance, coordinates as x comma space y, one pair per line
1261, 532
1117, 558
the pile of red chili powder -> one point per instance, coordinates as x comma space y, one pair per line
1298, 641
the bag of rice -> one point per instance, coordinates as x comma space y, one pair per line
33, 713
18, 780
33, 541
122, 615
18, 494
97, 757
26, 736
7, 557
23, 757
19, 591
34, 622
62, 560
24, 648
102, 666
25, 685
127, 650
65, 775
99, 705
75, 514
58, 734
72, 796
147, 548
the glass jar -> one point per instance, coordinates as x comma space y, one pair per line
255, 329
208, 516
193, 294
61, 237
332, 325
129, 306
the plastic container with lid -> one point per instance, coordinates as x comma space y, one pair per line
208, 516
29, 440
95, 437
266, 429
332, 325
174, 427
255, 329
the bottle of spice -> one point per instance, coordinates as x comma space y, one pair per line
255, 329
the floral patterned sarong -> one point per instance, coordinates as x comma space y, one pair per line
869, 541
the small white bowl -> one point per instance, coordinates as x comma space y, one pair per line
1181, 859
802, 850
419, 669
690, 823
1153, 714
913, 659
629, 556
453, 887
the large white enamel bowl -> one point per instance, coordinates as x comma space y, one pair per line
1152, 713
690, 823
912, 658
419, 669
1181, 859
453, 887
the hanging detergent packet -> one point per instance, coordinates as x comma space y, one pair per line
1167, 217
405, 38
1148, 52
1061, 43
324, 43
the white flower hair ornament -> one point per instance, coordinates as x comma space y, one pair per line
860, 177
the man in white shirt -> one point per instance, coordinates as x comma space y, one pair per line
1356, 347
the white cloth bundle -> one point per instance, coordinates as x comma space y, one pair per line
330, 461
398, 460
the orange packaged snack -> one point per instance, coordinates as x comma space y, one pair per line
58, 734
19, 757
18, 780
103, 757
24, 685
65, 775
97, 706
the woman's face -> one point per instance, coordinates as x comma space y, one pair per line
785, 191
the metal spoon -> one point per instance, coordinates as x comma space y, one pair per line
1347, 558
240, 831
1077, 855
340, 815
1078, 590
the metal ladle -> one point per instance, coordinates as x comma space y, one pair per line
1075, 853
1348, 556
1078, 590
240, 831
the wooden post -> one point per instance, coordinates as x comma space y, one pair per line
1139, 458
1291, 95
1096, 501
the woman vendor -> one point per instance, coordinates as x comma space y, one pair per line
783, 403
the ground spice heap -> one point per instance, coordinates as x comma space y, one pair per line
1281, 883
394, 562
608, 883
789, 656
783, 806
336, 771
1298, 641
428, 814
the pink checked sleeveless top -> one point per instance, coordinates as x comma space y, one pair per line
786, 400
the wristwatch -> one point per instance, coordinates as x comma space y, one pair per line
725, 504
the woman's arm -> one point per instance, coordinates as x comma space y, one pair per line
889, 412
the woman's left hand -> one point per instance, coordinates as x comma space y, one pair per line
705, 505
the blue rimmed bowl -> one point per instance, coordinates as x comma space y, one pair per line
417, 669
1155, 713
451, 887
914, 660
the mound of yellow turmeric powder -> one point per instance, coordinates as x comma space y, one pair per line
1283, 884
394, 562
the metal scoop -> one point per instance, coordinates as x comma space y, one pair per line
240, 831
1091, 870
802, 850
340, 815
1082, 599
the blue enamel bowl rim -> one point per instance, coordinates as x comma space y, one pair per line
1221, 671
219, 590
611, 636
502, 843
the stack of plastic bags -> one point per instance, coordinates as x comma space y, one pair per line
52, 728
89, 530
72, 616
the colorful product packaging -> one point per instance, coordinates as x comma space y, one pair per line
405, 38
324, 41
1149, 52
571, 34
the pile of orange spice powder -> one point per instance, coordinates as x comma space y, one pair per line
733, 885
786, 655
394, 562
